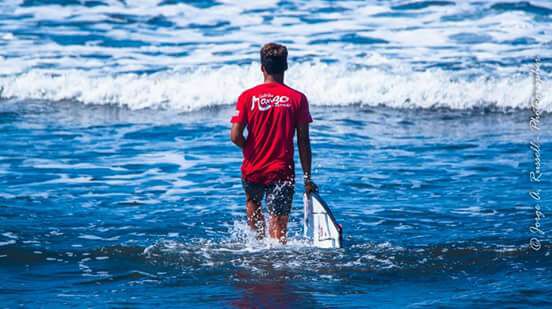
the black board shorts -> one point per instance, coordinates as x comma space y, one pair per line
279, 195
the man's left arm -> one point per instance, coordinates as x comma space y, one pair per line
236, 134
239, 121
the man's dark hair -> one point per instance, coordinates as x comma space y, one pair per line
274, 58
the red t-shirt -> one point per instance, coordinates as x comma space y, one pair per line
271, 112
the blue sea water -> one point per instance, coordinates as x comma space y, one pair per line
119, 186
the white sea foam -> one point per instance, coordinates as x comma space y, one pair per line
379, 54
5, 243
233, 30
94, 237
324, 84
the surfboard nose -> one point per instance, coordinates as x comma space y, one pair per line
319, 224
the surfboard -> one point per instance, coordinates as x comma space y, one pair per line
319, 224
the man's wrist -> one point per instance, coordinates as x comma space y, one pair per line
306, 177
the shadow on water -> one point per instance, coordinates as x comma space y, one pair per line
276, 291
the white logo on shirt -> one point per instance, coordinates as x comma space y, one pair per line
265, 101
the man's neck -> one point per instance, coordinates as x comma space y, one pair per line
274, 78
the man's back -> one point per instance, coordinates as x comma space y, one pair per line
271, 112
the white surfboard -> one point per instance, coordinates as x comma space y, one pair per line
319, 224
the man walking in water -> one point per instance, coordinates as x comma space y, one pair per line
272, 112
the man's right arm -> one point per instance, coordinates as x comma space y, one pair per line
305, 155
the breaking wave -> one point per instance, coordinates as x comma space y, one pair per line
325, 84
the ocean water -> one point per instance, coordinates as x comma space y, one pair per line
119, 186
